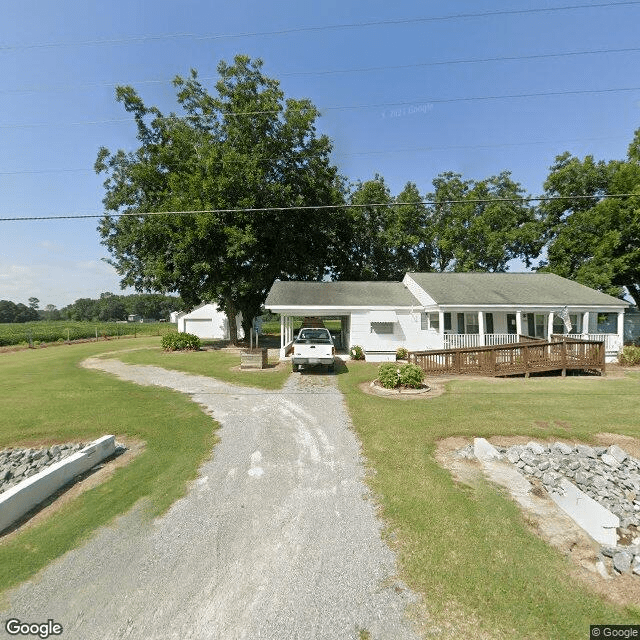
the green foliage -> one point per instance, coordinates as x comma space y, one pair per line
242, 146
12, 312
356, 352
630, 355
175, 341
401, 353
595, 240
45, 331
392, 375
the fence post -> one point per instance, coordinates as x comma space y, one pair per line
525, 360
564, 357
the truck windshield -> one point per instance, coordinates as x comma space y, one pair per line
321, 336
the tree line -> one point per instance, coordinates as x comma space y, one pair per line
244, 192
107, 307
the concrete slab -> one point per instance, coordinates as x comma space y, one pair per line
595, 519
484, 450
24, 496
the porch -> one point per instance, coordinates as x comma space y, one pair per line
477, 328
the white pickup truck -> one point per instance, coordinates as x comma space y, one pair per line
313, 346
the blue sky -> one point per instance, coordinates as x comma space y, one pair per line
387, 103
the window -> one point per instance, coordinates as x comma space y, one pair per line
488, 322
434, 321
512, 325
540, 325
424, 321
447, 322
471, 323
382, 327
558, 324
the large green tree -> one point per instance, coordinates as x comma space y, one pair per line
595, 240
242, 146
481, 225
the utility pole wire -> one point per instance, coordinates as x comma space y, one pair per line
321, 206
322, 72
330, 27
385, 105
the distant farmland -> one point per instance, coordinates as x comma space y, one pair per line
62, 331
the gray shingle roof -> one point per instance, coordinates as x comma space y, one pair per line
339, 294
509, 288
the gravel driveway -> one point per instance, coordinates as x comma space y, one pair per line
276, 539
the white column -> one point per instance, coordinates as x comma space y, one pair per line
519, 323
550, 326
281, 332
481, 328
441, 321
585, 323
621, 328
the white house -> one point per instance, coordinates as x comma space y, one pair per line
451, 310
208, 322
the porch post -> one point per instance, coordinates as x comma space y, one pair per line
481, 327
519, 322
621, 328
585, 323
550, 326
281, 332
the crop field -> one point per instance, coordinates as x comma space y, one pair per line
62, 331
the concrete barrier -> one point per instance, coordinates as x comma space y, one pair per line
24, 496
595, 519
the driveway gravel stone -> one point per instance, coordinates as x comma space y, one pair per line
276, 539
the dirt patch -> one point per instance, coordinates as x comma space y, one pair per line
545, 518
92, 478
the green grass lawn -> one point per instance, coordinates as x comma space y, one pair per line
469, 548
466, 549
46, 397
215, 364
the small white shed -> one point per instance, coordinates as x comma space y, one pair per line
208, 322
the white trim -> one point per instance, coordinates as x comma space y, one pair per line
383, 316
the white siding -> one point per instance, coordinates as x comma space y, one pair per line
208, 322
406, 333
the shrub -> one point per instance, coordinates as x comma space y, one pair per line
630, 355
401, 353
356, 352
180, 342
411, 375
391, 376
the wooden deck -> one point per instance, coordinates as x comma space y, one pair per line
522, 358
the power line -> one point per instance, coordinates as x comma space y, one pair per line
322, 207
416, 65
331, 27
499, 145
380, 105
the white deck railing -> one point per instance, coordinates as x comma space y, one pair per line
611, 340
470, 340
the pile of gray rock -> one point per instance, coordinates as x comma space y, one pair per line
18, 464
607, 474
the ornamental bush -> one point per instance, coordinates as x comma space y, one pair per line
180, 342
356, 352
401, 353
391, 376
630, 355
